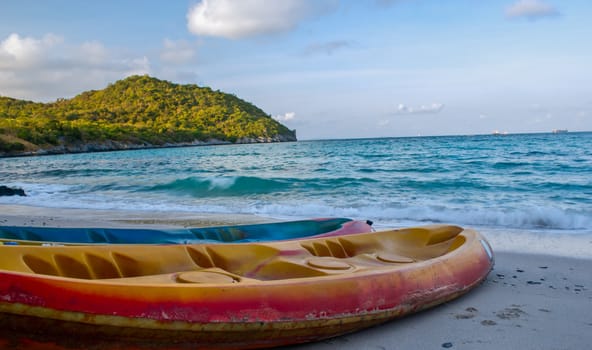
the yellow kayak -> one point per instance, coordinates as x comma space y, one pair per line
243, 295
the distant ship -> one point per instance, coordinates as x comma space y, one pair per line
559, 131
497, 132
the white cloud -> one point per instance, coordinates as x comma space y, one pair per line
531, 9
235, 19
179, 75
423, 109
177, 51
93, 51
137, 66
24, 52
286, 117
47, 68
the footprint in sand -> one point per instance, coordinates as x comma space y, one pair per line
470, 312
488, 323
510, 313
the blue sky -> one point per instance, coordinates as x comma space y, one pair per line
328, 68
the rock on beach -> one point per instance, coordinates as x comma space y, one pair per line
9, 191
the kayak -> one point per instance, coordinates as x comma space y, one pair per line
232, 295
322, 227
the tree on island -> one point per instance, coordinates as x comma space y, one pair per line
139, 111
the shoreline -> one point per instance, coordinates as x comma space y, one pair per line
115, 146
528, 301
512, 240
58, 150
19, 215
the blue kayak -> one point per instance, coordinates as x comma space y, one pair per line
238, 233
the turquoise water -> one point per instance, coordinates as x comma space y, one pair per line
525, 182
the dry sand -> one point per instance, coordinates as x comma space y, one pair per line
527, 302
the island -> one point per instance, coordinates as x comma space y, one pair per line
133, 113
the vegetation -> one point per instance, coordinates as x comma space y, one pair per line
137, 111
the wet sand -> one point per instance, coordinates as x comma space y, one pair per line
15, 215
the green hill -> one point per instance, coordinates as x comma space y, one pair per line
135, 112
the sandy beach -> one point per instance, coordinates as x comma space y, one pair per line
16, 215
527, 302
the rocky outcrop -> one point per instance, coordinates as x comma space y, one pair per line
9, 191
262, 139
111, 145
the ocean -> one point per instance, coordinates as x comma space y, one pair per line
519, 188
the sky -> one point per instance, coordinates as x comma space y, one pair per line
328, 68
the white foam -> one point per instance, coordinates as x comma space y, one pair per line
574, 244
530, 229
530, 218
75, 196
560, 242
219, 182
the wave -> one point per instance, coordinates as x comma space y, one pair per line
72, 172
509, 165
229, 186
409, 169
535, 153
443, 184
222, 186
226, 195
527, 218
567, 187
305, 198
